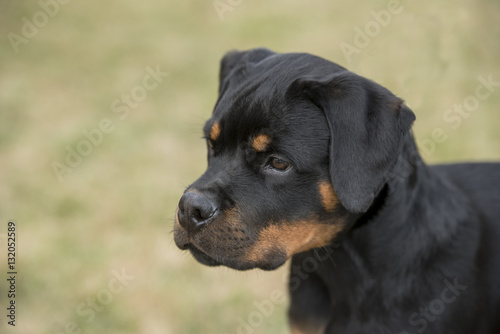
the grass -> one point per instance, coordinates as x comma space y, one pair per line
114, 210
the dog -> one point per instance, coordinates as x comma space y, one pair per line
310, 162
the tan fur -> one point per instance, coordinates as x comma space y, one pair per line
261, 142
215, 131
328, 197
292, 238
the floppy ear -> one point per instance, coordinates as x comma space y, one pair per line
367, 125
238, 60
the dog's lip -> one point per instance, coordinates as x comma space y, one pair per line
183, 246
235, 261
231, 262
201, 256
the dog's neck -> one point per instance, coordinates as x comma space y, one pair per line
404, 239
410, 211
408, 169
406, 230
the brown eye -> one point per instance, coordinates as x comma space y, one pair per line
279, 164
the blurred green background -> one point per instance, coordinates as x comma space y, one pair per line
95, 250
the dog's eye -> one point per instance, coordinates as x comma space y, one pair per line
278, 164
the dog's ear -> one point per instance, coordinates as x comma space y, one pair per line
367, 125
238, 60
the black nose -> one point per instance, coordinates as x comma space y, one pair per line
195, 209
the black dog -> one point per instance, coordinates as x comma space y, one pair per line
309, 161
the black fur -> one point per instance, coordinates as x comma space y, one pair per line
418, 246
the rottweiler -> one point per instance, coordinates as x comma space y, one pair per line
310, 162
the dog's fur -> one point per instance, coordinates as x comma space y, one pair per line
309, 161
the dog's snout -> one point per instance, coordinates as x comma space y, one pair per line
195, 209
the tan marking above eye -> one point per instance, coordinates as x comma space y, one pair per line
292, 238
261, 142
215, 131
328, 197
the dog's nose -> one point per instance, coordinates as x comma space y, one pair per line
195, 209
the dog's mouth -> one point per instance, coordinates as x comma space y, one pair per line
233, 246
235, 262
195, 246
201, 256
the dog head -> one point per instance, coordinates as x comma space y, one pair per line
298, 148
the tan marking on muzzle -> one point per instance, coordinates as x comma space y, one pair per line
292, 238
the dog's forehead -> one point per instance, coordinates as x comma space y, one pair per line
245, 119
254, 98
254, 105
297, 132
